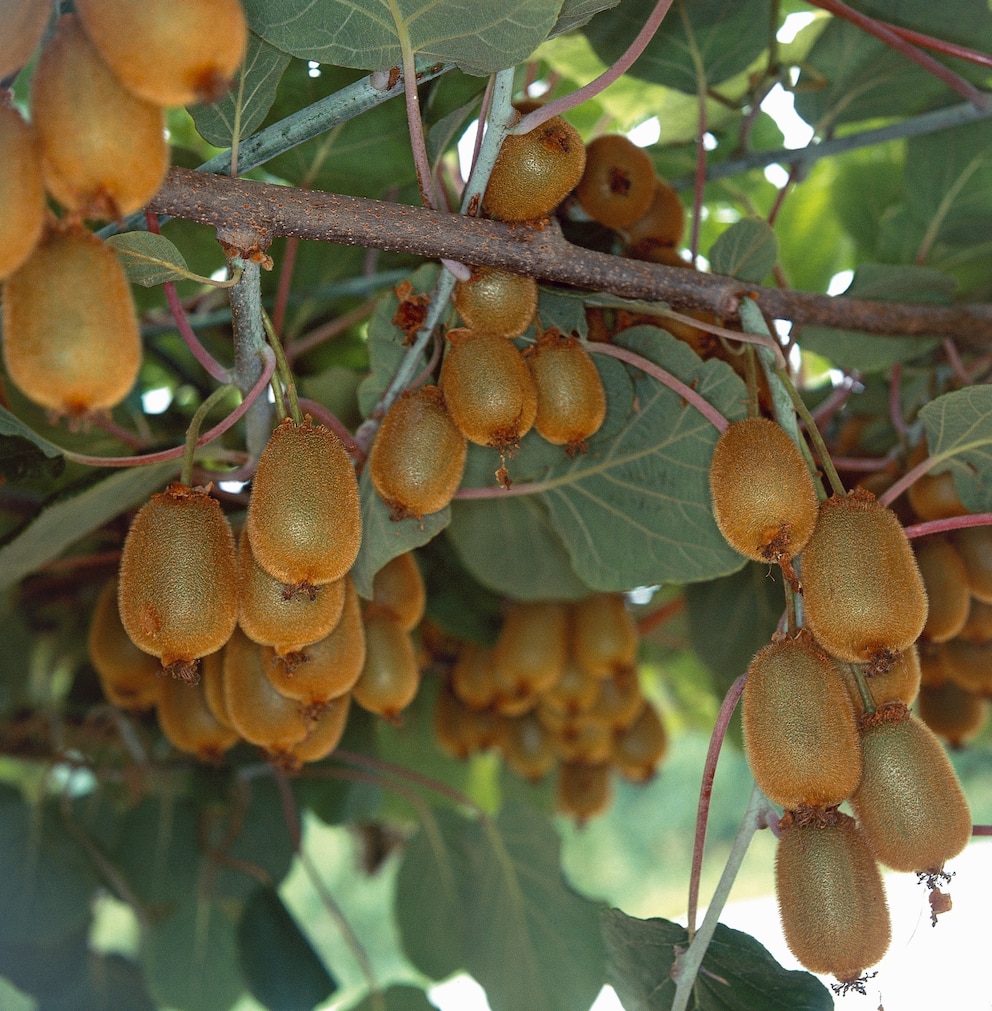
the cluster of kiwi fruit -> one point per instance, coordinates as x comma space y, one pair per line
277, 614
557, 691
96, 143
825, 707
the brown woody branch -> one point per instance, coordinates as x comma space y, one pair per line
249, 215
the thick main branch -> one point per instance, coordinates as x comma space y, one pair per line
247, 212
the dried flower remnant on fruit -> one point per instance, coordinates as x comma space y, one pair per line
617, 185
411, 313
178, 582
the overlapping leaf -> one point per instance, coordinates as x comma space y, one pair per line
480, 38
747, 250
24, 453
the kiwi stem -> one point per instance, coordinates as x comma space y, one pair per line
790, 608
751, 370
836, 485
200, 353
723, 718
282, 368
863, 690
193, 432
688, 963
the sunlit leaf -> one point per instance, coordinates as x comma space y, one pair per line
253, 93
737, 974
368, 34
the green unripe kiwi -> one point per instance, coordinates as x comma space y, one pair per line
488, 389
534, 172
800, 731
571, 401
178, 583
909, 802
830, 895
945, 577
496, 301
764, 501
418, 456
863, 596
304, 519
104, 152
170, 52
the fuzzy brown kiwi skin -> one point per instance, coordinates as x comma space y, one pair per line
800, 731
764, 500
909, 802
22, 197
945, 577
830, 894
864, 598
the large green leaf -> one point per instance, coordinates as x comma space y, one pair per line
532, 943
242, 109
700, 43
72, 516
24, 453
278, 961
867, 352
959, 431
738, 973
747, 250
480, 38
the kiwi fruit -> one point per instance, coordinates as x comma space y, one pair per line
273, 614
71, 339
900, 683
531, 649
22, 195
604, 637
619, 701
488, 389
128, 675
583, 790
909, 802
660, 227
528, 747
104, 152
864, 599
325, 669
764, 500
584, 739
450, 724
418, 456
169, 52
576, 690
571, 401
830, 894
496, 301
974, 544
968, 664
178, 586
945, 578
22, 24
534, 172
304, 520
390, 677
978, 626
472, 678
617, 184
187, 722
640, 748
325, 733
932, 496
952, 712
398, 588
800, 731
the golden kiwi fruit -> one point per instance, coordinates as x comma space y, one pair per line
618, 182
22, 195
496, 301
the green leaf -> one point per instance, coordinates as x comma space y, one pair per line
428, 893
635, 509
69, 518
149, 259
885, 282
531, 942
698, 45
456, 600
747, 250
368, 34
383, 539
397, 998
738, 973
47, 883
959, 432
24, 453
575, 13
254, 92
509, 545
191, 958
279, 963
